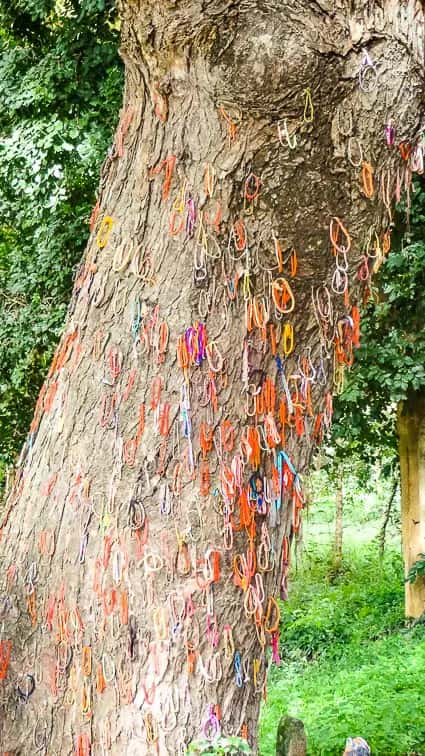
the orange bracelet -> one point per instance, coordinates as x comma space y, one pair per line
109, 405
93, 216
124, 608
169, 164
115, 360
355, 314
163, 337
299, 420
246, 515
405, 150
273, 341
107, 547
249, 315
216, 221
164, 419
86, 662
160, 104
130, 384
182, 353
294, 263
204, 472
209, 179
206, 435
239, 233
140, 423
278, 253
272, 609
32, 607
100, 679
83, 745
308, 400
336, 228
190, 657
367, 178
386, 242
175, 226
109, 600
227, 435
318, 429
176, 485
50, 396
183, 564
162, 457
259, 313
5, 651
283, 297
156, 388
252, 187
259, 404
269, 394
215, 556
254, 442
239, 577
231, 125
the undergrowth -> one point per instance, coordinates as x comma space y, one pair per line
350, 666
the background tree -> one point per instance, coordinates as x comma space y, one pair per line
61, 92
159, 490
379, 415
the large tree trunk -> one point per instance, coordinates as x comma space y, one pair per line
151, 493
411, 429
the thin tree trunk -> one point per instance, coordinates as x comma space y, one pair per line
339, 522
162, 467
387, 514
411, 429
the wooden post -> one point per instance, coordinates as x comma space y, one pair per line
291, 737
411, 430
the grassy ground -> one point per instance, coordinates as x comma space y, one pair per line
350, 666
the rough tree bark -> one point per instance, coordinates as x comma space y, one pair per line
112, 507
411, 430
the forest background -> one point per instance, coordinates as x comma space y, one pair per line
350, 663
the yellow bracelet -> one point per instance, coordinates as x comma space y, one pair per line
288, 339
104, 231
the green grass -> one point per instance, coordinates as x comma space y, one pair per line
350, 667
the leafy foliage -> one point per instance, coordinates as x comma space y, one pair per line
220, 746
62, 84
361, 605
417, 570
350, 667
373, 691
